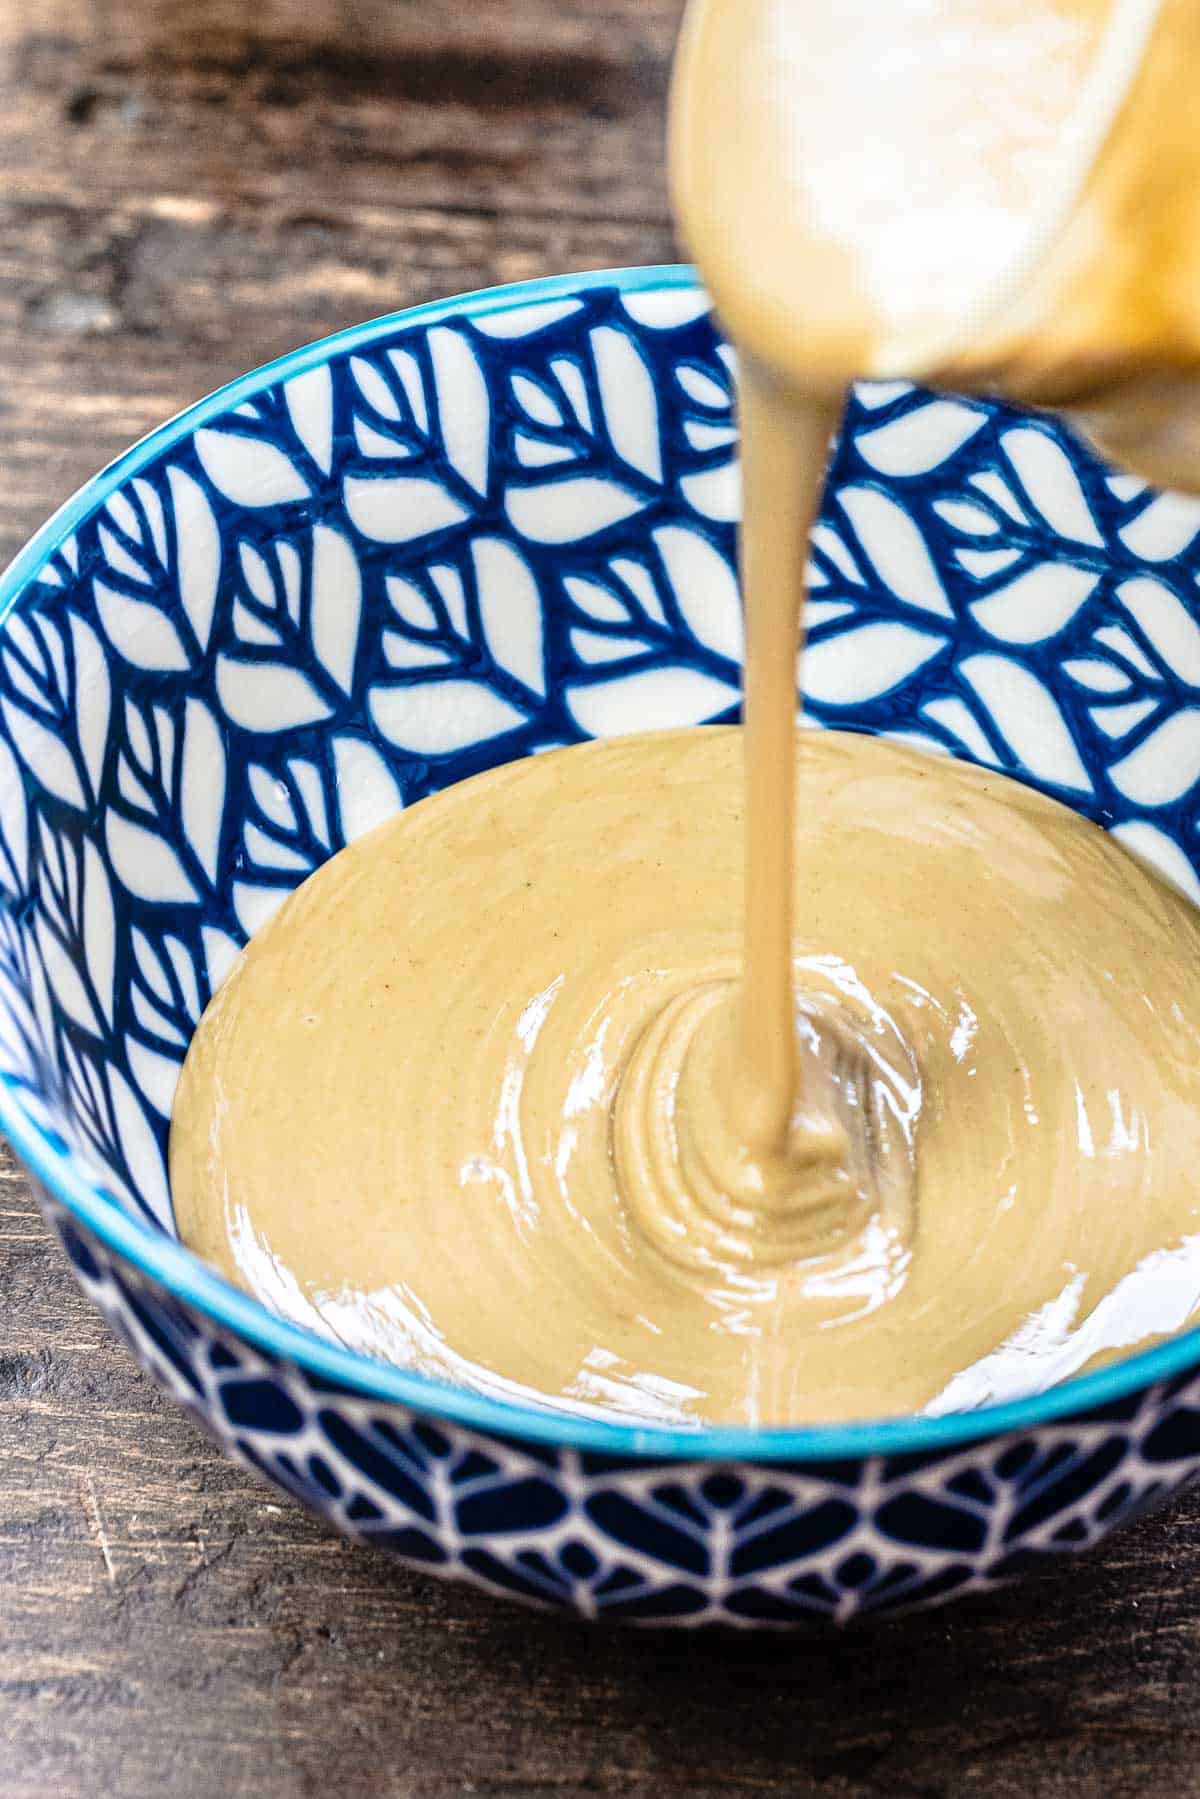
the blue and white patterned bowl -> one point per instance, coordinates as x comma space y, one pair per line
416, 550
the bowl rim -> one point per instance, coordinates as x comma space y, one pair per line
168, 1263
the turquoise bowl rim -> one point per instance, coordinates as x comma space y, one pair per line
161, 1259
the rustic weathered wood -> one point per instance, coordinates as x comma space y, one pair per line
186, 188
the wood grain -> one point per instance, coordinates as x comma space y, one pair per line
188, 188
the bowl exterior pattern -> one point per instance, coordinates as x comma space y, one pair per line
476, 533
656, 1542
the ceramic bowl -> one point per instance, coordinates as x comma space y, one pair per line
416, 550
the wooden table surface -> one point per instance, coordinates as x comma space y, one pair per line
188, 187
